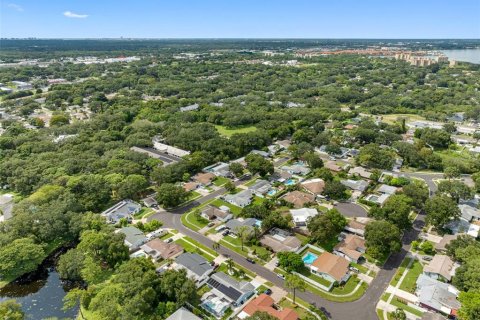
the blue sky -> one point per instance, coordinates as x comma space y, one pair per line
240, 18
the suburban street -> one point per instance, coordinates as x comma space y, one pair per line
363, 308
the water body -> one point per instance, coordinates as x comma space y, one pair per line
40, 293
465, 55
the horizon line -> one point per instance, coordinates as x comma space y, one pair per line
223, 38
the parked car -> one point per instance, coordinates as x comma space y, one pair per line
226, 233
211, 224
250, 260
169, 240
281, 276
268, 291
427, 258
354, 269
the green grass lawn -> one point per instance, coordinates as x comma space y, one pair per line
409, 282
166, 236
220, 181
399, 304
197, 248
193, 222
362, 269
226, 132
302, 313
233, 209
192, 195
143, 213
399, 272
347, 287
316, 278
257, 200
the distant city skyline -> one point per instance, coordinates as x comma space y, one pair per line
349, 19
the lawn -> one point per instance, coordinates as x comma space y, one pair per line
314, 277
226, 132
302, 313
400, 271
166, 236
391, 118
194, 246
348, 287
192, 221
224, 268
220, 181
143, 213
399, 304
192, 195
409, 282
362, 269
233, 209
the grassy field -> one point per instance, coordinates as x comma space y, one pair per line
220, 181
409, 282
226, 132
233, 209
391, 118
143, 213
400, 271
193, 222
399, 304
194, 246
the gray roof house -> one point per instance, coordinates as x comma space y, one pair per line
260, 187
219, 169
124, 209
296, 169
440, 268
358, 185
225, 291
134, 237
191, 107
385, 189
211, 212
435, 295
183, 314
241, 199
469, 213
197, 267
236, 223
261, 153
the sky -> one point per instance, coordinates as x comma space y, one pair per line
399, 19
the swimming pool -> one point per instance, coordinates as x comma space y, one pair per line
289, 182
272, 192
309, 258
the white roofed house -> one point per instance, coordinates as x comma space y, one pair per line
302, 216
382, 194
356, 185
134, 237
191, 107
220, 169
241, 199
296, 169
124, 209
437, 296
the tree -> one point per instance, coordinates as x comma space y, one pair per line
229, 263
70, 265
242, 233
451, 172
382, 238
467, 276
441, 209
396, 210
236, 168
257, 164
11, 310
74, 298
59, 120
313, 160
335, 190
470, 305
229, 186
399, 314
418, 192
324, 174
294, 282
290, 261
170, 195
325, 227
19, 257
131, 186
371, 155
455, 189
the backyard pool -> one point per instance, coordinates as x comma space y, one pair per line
290, 182
272, 192
309, 258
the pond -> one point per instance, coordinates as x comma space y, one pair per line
40, 293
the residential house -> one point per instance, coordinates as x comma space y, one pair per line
260, 187
159, 249
220, 169
241, 199
283, 144
356, 185
280, 240
183, 314
351, 248
332, 166
197, 267
211, 212
298, 198
124, 209
191, 107
134, 237
150, 202
446, 239
225, 292
469, 213
280, 176
204, 179
6, 206
331, 267
440, 268
314, 186
21, 85
265, 303
296, 169
463, 226
261, 153
234, 224
191, 186
437, 296
169, 150
360, 171
382, 194
302, 216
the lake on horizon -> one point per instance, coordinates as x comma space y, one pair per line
465, 55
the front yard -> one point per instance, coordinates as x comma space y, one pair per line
409, 282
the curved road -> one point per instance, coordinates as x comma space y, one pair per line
361, 309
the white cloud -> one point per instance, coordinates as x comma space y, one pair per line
15, 7
70, 14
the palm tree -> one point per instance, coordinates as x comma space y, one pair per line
242, 232
294, 282
229, 263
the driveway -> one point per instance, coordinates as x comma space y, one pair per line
351, 210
